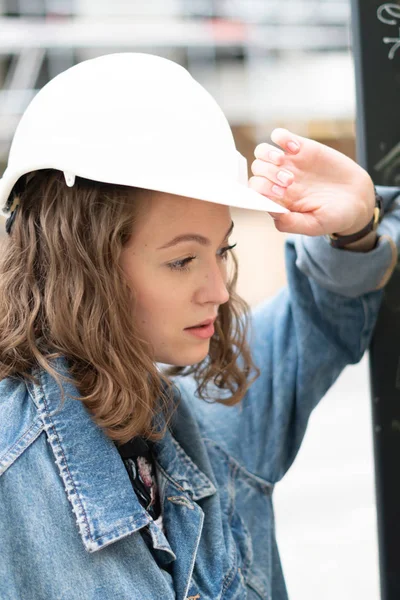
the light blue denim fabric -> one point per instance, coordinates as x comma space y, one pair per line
69, 520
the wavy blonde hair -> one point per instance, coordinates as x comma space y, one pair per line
63, 293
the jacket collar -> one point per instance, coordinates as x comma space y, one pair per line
94, 476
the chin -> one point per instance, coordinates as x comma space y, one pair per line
183, 359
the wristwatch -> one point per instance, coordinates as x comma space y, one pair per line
340, 241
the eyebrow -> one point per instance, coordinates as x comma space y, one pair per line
193, 237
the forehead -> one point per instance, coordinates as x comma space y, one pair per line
167, 214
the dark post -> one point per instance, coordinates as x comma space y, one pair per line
376, 44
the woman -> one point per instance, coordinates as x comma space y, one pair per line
119, 478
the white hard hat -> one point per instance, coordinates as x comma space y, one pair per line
133, 119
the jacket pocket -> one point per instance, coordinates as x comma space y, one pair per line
247, 508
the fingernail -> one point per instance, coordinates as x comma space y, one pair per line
284, 177
293, 146
278, 190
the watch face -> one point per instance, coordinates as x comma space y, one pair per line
377, 218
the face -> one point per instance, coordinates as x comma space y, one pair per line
175, 263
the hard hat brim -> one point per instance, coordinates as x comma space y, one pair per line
229, 193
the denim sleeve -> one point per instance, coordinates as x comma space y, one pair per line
301, 340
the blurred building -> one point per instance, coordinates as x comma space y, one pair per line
267, 62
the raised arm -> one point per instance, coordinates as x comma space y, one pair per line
303, 338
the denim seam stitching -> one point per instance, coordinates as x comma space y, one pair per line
230, 576
252, 581
73, 494
202, 482
234, 473
194, 555
263, 483
3, 458
234, 470
170, 479
251, 584
65, 473
122, 532
21, 437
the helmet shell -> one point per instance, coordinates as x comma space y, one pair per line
132, 119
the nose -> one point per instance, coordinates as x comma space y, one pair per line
213, 288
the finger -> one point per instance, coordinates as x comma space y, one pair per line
269, 153
279, 176
286, 140
268, 188
274, 216
299, 223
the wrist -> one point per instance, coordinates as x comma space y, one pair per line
366, 243
349, 240
369, 204
356, 227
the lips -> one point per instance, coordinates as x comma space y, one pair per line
203, 331
205, 323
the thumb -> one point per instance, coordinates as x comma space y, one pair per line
300, 223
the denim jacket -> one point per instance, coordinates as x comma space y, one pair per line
70, 523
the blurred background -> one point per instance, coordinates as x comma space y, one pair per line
268, 63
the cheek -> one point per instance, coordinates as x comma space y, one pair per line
159, 306
148, 306
146, 290
161, 299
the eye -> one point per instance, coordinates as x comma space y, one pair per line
223, 253
181, 265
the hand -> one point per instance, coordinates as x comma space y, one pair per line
324, 190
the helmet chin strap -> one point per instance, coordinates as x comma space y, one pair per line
13, 213
69, 178
14, 204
